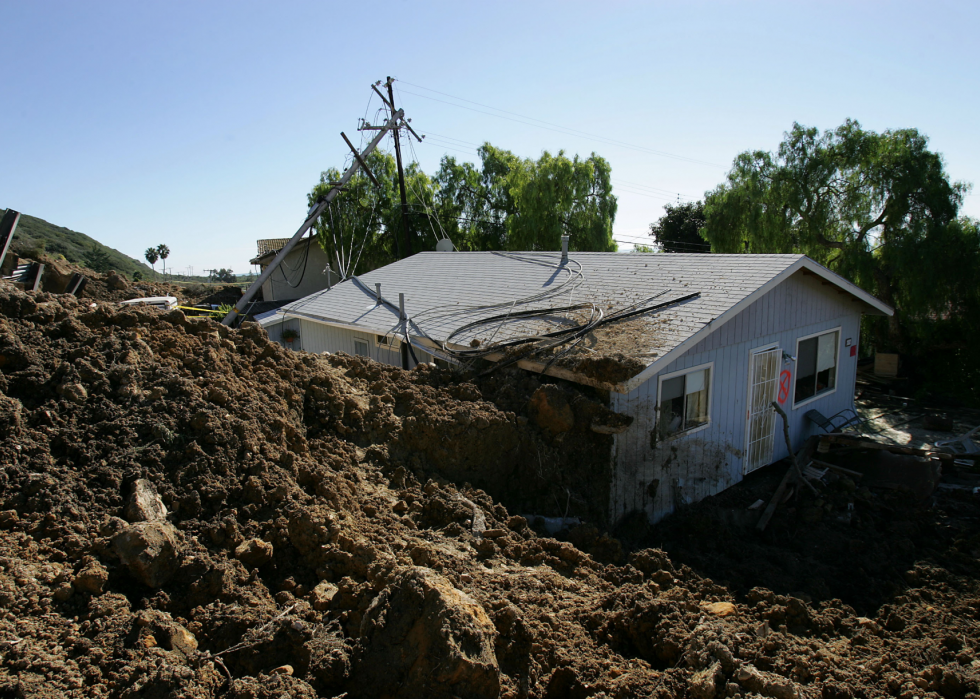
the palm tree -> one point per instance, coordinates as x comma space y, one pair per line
152, 256
164, 252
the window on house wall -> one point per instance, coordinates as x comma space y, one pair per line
816, 366
361, 348
684, 401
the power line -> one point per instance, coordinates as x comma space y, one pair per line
541, 124
629, 189
622, 185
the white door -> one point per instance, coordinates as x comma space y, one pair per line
761, 430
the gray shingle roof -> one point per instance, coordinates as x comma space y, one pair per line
446, 290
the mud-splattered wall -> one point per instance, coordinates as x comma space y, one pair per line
319, 337
657, 476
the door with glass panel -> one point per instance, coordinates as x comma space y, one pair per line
761, 429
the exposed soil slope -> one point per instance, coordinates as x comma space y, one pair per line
190, 511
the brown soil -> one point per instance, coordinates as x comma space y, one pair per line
321, 548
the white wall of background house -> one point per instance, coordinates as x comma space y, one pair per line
303, 272
319, 337
656, 475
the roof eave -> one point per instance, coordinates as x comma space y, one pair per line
876, 306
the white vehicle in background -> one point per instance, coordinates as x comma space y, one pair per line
167, 303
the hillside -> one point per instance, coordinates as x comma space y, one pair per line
35, 235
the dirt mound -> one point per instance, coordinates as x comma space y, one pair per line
193, 511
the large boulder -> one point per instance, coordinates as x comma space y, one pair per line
149, 550
431, 639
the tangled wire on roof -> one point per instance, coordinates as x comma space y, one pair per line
567, 338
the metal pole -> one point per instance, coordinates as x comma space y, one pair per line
401, 177
7, 227
311, 218
402, 318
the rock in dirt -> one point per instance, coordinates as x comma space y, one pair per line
91, 578
144, 504
322, 595
149, 550
550, 410
432, 639
115, 281
721, 609
767, 684
703, 684
254, 553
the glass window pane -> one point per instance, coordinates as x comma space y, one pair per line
697, 409
671, 416
672, 388
806, 360
694, 381
826, 351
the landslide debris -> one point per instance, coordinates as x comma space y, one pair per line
191, 511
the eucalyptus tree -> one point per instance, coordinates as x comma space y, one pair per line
507, 203
679, 229
514, 203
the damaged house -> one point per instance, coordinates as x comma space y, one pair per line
693, 347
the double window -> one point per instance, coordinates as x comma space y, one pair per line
816, 365
684, 401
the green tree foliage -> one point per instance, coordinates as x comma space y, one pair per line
505, 204
99, 260
152, 256
225, 275
679, 229
512, 203
870, 206
355, 229
164, 252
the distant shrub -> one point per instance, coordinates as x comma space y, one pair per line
30, 248
137, 276
99, 261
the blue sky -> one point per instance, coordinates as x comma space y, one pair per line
203, 125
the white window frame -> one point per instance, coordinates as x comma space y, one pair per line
837, 359
710, 366
389, 341
367, 346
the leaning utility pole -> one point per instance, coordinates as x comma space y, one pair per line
315, 211
401, 174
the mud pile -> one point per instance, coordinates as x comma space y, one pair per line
191, 511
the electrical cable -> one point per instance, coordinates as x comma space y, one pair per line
425, 204
548, 126
547, 341
306, 258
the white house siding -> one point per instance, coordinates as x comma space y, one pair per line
319, 337
691, 467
